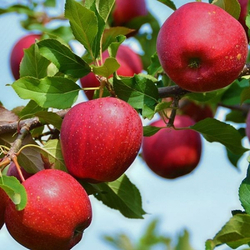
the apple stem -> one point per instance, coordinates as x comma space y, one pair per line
14, 159
174, 105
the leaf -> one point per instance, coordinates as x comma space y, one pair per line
139, 91
30, 109
184, 242
18, 8
53, 153
110, 35
108, 68
230, 6
29, 158
50, 118
54, 92
83, 22
150, 130
155, 66
7, 116
15, 190
244, 192
33, 64
245, 95
235, 233
104, 8
123, 196
168, 3
64, 59
216, 131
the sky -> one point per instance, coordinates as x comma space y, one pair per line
200, 202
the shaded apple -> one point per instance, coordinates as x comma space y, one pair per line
18, 52
12, 171
196, 111
100, 139
172, 153
126, 11
3, 202
130, 64
202, 55
57, 212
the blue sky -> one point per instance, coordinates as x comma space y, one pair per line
201, 202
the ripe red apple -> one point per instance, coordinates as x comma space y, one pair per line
172, 153
3, 202
18, 53
130, 64
243, 14
196, 111
100, 139
12, 171
201, 47
57, 212
125, 11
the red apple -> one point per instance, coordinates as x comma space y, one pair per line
18, 53
243, 14
12, 171
3, 203
172, 153
57, 212
130, 64
100, 139
125, 11
196, 111
201, 47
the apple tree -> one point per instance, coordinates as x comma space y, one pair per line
196, 62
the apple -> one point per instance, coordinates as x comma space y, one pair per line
100, 139
12, 171
57, 212
3, 203
130, 64
196, 111
243, 14
172, 153
18, 53
201, 47
125, 11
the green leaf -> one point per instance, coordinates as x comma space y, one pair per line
184, 242
104, 8
50, 118
230, 6
169, 3
33, 64
245, 95
244, 192
64, 59
110, 35
235, 233
54, 92
108, 68
155, 66
122, 195
52, 151
216, 131
15, 190
150, 130
84, 24
50, 3
139, 91
18, 8
30, 109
